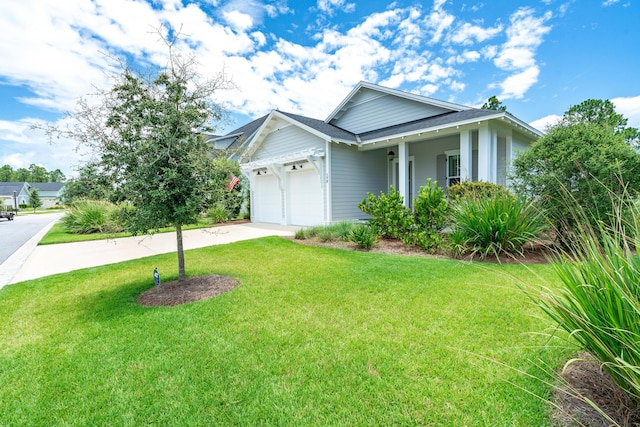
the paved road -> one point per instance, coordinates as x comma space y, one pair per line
14, 234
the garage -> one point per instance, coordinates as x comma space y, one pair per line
267, 201
304, 197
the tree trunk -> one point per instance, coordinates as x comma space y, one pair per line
181, 275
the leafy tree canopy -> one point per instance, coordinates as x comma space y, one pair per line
34, 173
601, 112
146, 132
493, 103
578, 163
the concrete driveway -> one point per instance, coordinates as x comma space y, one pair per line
32, 262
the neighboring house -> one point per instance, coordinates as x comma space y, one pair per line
12, 194
304, 171
236, 140
50, 193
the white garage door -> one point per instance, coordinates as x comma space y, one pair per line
267, 204
304, 198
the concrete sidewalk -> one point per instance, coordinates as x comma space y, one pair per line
32, 262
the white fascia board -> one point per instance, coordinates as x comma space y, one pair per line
510, 120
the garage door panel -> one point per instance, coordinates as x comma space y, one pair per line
304, 198
267, 200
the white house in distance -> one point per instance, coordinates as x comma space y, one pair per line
304, 171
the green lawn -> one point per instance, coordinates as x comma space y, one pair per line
59, 234
312, 336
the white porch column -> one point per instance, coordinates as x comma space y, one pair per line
508, 158
466, 156
484, 153
494, 156
403, 172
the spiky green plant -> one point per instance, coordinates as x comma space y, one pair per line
500, 225
599, 304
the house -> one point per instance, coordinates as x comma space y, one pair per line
50, 193
12, 194
304, 171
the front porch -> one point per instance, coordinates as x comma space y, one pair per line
478, 152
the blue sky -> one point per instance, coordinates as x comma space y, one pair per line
539, 57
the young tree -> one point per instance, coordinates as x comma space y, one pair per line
146, 132
34, 199
494, 104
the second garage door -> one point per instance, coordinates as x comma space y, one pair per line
304, 198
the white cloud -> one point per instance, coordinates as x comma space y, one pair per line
468, 34
438, 21
330, 6
238, 20
630, 108
543, 123
609, 2
517, 55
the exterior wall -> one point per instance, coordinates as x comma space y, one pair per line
426, 154
286, 140
382, 111
353, 174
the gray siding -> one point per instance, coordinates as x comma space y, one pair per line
353, 174
286, 140
426, 160
383, 111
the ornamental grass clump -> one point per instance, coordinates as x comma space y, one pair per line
500, 225
92, 216
599, 305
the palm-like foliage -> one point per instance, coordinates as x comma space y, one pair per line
500, 225
600, 302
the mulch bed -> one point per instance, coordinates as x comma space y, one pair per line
189, 290
583, 381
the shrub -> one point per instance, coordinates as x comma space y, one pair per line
430, 208
91, 216
476, 190
599, 304
496, 226
326, 233
389, 217
218, 213
363, 236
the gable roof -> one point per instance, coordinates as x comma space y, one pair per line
47, 186
323, 127
451, 115
7, 188
241, 134
345, 104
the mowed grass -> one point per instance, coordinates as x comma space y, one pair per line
312, 336
59, 234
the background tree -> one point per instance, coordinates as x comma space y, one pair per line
35, 173
578, 164
601, 112
91, 184
34, 199
493, 103
145, 132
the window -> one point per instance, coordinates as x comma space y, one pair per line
453, 167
